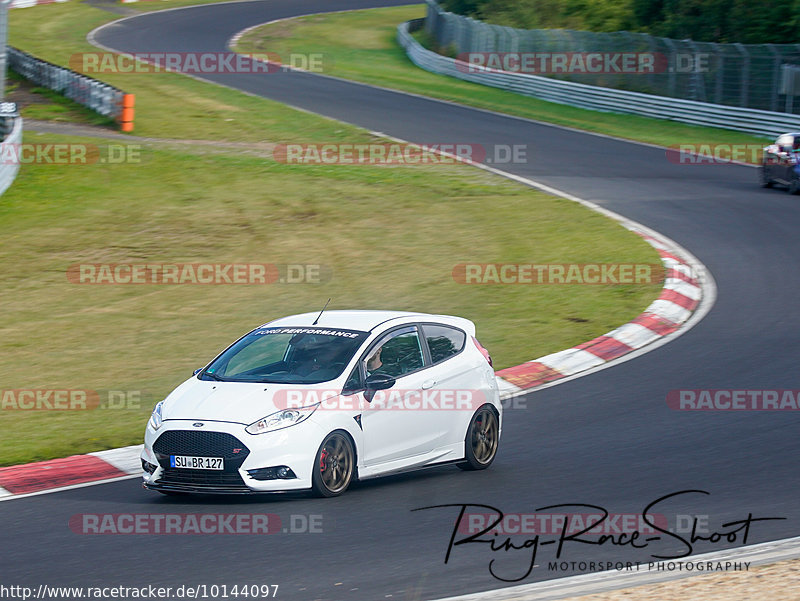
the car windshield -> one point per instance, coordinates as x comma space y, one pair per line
286, 355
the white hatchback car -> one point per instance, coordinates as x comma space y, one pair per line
315, 401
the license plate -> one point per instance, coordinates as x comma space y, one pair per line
196, 463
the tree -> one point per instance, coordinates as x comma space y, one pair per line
745, 21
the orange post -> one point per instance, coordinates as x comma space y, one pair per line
127, 112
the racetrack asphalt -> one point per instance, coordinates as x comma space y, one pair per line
608, 439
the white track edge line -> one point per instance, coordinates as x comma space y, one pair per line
69, 487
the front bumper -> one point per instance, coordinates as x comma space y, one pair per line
294, 447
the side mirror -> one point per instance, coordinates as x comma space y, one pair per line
197, 371
377, 382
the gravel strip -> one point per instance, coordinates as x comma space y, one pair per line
777, 581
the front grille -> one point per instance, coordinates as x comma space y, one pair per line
201, 444
202, 480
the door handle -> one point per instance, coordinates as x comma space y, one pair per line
428, 384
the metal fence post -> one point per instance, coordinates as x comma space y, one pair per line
745, 79
4, 6
776, 76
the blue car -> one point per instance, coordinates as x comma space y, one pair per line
780, 163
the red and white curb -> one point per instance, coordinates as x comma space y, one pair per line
29, 3
69, 472
681, 295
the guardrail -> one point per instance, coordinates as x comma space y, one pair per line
8, 169
754, 121
96, 95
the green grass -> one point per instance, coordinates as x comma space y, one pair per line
390, 235
362, 46
170, 105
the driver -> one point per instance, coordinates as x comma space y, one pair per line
374, 363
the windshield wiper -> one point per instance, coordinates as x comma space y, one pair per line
212, 375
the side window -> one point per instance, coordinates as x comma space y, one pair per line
354, 382
443, 341
396, 355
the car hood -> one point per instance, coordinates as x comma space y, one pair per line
239, 402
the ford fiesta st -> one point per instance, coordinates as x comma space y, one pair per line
316, 401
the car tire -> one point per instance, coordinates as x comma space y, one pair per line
482, 439
794, 184
334, 465
766, 182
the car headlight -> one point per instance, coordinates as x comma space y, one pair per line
281, 419
155, 418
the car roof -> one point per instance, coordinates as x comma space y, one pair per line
365, 320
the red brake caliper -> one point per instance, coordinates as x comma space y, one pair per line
322, 458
